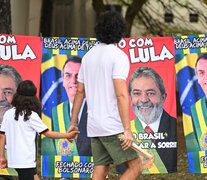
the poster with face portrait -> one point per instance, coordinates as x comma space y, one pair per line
152, 103
151, 85
20, 59
191, 70
61, 61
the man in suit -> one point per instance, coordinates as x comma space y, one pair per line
196, 141
153, 127
62, 112
9, 80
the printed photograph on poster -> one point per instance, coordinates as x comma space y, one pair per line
191, 69
61, 103
59, 74
153, 102
20, 59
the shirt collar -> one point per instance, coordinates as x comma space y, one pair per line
154, 125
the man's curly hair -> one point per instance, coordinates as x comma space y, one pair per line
110, 28
25, 104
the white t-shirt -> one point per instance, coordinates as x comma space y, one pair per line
99, 67
20, 138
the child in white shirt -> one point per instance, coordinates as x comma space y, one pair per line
19, 128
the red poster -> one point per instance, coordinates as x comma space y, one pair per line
20, 59
151, 85
24, 53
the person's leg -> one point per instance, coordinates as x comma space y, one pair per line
134, 169
101, 159
129, 157
100, 172
36, 177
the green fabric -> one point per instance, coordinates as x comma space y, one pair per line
62, 146
196, 121
158, 162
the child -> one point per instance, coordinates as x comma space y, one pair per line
18, 131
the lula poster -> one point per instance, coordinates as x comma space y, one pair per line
151, 86
20, 59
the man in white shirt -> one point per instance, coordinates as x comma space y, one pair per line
102, 80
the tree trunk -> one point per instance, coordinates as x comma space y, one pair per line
5, 17
131, 13
45, 24
98, 6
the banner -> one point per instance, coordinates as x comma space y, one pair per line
191, 69
20, 59
61, 62
59, 158
151, 85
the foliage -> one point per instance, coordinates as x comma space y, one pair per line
5, 17
147, 16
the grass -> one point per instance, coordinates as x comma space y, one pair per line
182, 173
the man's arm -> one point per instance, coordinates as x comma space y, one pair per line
123, 106
79, 97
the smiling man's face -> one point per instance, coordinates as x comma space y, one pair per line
146, 99
70, 76
7, 91
201, 72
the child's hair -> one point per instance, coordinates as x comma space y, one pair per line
25, 100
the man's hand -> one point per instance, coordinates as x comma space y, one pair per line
128, 140
3, 163
73, 128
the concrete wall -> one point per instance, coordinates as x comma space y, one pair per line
25, 17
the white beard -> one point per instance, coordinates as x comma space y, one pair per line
2, 115
2, 111
148, 116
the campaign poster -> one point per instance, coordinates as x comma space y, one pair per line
61, 62
20, 59
191, 70
152, 95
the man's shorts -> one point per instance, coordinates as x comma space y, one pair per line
108, 150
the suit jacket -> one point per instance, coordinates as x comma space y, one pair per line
83, 142
168, 124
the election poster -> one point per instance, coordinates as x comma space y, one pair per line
61, 61
20, 59
152, 95
191, 70
153, 104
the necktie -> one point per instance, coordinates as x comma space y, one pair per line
149, 131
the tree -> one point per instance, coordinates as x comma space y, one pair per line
142, 13
5, 17
131, 13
